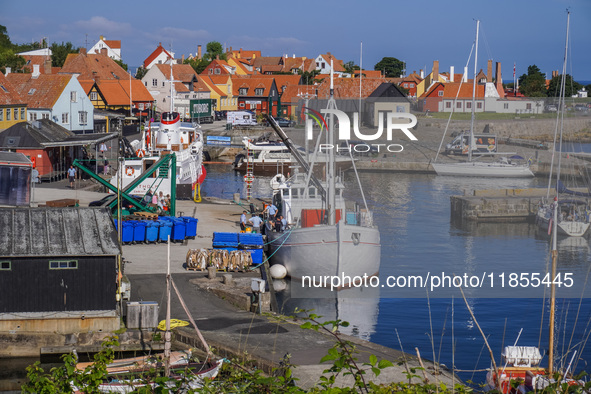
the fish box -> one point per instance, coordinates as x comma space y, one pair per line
312, 217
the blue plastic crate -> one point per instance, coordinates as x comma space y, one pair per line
191, 226
164, 230
139, 231
228, 248
352, 218
225, 240
250, 241
257, 255
178, 230
151, 230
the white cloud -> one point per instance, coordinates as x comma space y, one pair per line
98, 25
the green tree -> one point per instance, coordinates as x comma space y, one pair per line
198, 64
4, 38
308, 76
350, 67
391, 67
60, 52
570, 88
214, 49
533, 84
140, 72
121, 64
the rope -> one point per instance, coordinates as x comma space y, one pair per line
271, 255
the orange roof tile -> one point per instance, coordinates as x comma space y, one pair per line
116, 92
113, 44
251, 84
40, 92
91, 66
8, 93
292, 92
349, 87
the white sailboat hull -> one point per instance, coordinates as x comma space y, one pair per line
340, 250
571, 228
481, 169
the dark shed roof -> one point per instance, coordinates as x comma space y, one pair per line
14, 159
57, 232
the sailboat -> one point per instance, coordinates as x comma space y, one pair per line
522, 363
324, 238
573, 218
497, 169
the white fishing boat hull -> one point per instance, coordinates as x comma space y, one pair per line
340, 250
485, 170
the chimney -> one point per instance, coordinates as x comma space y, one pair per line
199, 52
83, 51
294, 55
465, 76
102, 38
452, 71
435, 77
47, 66
8, 69
422, 74
489, 71
104, 51
35, 71
217, 57
183, 59
499, 81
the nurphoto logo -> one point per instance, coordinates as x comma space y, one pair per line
394, 121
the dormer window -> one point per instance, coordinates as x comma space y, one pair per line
243, 91
32, 91
3, 88
259, 91
218, 71
93, 95
440, 93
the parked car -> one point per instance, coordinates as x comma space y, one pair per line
581, 107
551, 108
282, 122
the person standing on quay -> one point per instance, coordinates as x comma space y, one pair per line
72, 176
243, 221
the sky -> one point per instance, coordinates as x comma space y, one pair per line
416, 32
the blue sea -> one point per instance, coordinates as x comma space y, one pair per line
419, 235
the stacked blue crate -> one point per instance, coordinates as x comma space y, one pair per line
253, 243
228, 241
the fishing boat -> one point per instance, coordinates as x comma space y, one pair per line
269, 157
521, 371
573, 213
325, 238
503, 168
170, 135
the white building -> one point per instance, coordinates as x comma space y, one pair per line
113, 48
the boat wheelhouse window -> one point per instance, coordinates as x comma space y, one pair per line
312, 192
63, 264
5, 266
285, 192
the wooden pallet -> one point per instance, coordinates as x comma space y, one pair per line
146, 216
194, 269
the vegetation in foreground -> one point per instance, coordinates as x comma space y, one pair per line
240, 376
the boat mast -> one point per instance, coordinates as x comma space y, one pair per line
470, 143
554, 227
167, 334
331, 174
171, 88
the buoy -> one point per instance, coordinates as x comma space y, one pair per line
279, 284
278, 271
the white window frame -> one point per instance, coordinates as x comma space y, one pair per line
93, 96
154, 82
83, 117
73, 96
65, 118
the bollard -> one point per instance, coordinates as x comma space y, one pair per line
211, 272
227, 279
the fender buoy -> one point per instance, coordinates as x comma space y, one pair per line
129, 171
140, 153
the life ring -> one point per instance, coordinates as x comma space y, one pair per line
140, 153
129, 171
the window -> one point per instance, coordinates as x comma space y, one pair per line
1, 114
479, 105
82, 117
5, 266
63, 265
8, 114
448, 104
243, 91
218, 71
440, 93
259, 91
162, 83
528, 106
22, 114
15, 111
405, 85
32, 116
506, 105
459, 104
241, 105
211, 70
73, 97
65, 118
412, 85
154, 82
44, 116
32, 91
323, 65
3, 88
469, 105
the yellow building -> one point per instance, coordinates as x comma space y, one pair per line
12, 107
220, 87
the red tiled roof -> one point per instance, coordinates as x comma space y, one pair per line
8, 93
337, 64
155, 54
244, 54
451, 90
219, 79
180, 72
209, 82
271, 68
266, 61
369, 73
40, 92
283, 79
113, 44
116, 92
291, 92
86, 85
251, 84
90, 66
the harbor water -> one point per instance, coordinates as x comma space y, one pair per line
418, 236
